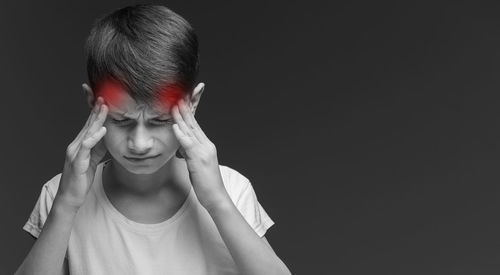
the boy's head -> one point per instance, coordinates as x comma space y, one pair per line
141, 59
148, 49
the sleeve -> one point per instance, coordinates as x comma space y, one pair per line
39, 213
252, 211
41, 210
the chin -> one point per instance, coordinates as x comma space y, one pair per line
146, 170
144, 167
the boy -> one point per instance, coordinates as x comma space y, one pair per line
161, 204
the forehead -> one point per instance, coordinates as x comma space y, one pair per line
119, 101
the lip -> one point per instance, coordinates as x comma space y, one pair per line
140, 159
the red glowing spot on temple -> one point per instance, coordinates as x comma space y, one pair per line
111, 91
170, 95
114, 93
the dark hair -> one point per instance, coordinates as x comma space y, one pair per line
146, 48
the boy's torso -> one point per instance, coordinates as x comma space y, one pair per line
154, 209
151, 209
168, 234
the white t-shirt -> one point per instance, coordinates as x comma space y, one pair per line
104, 241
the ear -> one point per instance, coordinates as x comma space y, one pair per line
195, 97
89, 94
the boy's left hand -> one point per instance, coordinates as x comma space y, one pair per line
201, 158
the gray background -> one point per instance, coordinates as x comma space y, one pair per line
369, 129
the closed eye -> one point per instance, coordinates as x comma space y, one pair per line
120, 120
156, 121
163, 121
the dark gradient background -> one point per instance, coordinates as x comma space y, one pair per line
370, 131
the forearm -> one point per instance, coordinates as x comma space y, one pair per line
47, 254
248, 250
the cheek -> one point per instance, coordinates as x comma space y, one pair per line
165, 140
113, 137
167, 137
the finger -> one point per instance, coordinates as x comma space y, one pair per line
187, 116
96, 137
180, 121
90, 119
88, 143
185, 113
98, 151
184, 140
98, 122
78, 140
98, 103
95, 111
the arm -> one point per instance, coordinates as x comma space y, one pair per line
47, 254
251, 254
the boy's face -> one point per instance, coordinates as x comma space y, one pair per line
139, 137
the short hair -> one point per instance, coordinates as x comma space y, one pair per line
145, 48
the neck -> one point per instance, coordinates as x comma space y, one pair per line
170, 177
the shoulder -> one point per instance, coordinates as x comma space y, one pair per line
234, 182
243, 195
52, 185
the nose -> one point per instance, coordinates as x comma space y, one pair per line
140, 141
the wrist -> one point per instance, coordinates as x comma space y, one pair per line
64, 207
221, 206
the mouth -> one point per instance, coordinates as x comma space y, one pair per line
140, 159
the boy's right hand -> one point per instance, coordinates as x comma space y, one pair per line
82, 157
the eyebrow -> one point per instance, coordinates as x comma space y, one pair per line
155, 115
